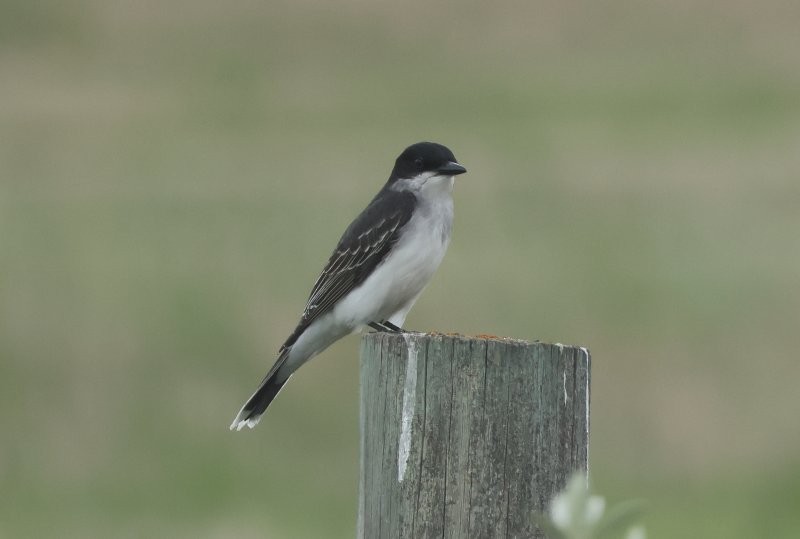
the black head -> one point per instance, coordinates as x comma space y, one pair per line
426, 157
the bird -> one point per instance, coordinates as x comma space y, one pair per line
379, 268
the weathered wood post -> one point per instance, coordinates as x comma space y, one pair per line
466, 437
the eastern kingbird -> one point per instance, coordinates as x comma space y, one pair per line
382, 263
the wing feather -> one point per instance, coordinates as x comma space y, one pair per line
348, 268
361, 249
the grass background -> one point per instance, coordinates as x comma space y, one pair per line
174, 174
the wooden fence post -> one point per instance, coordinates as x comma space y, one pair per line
465, 437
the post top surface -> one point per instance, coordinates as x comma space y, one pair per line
478, 337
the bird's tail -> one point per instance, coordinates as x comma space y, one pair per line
257, 404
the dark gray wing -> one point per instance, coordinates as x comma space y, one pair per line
361, 249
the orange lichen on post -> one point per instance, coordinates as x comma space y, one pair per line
484, 336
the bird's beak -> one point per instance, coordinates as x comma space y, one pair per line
451, 169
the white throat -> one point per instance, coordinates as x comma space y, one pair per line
428, 186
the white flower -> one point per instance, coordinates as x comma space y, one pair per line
576, 514
561, 512
593, 512
573, 509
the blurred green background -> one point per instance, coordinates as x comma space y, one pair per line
173, 176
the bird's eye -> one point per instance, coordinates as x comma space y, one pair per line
419, 163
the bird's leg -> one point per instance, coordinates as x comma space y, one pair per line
378, 326
393, 327
387, 327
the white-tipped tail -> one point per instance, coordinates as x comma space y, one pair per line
240, 422
256, 405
